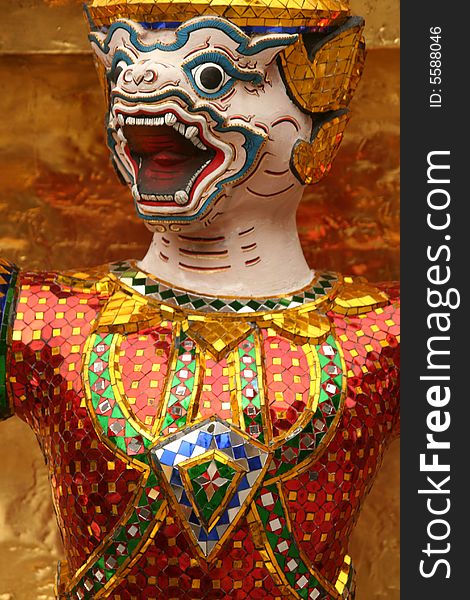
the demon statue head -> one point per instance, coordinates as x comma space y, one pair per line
227, 104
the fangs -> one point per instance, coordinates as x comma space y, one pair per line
181, 197
170, 119
135, 193
191, 132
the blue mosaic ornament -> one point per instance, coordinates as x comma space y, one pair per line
230, 464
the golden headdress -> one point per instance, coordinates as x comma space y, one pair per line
244, 13
321, 70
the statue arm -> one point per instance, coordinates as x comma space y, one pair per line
19, 345
22, 345
8, 297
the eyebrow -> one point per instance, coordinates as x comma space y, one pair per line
246, 46
216, 48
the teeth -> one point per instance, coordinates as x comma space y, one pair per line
195, 176
191, 132
170, 119
154, 121
121, 136
181, 197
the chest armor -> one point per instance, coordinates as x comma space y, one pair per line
211, 426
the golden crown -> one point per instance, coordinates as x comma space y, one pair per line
294, 14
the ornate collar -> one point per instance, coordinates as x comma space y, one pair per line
129, 275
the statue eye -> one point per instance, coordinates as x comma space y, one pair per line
209, 77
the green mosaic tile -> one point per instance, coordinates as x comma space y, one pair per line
145, 285
210, 482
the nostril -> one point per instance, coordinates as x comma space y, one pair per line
150, 76
137, 75
128, 76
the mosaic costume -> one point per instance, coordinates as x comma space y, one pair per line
201, 447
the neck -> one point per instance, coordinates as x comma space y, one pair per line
260, 256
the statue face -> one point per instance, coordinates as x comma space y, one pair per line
196, 112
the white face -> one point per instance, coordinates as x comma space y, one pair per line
195, 111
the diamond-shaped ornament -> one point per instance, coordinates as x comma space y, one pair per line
212, 470
211, 485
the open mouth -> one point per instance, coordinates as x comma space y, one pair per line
172, 159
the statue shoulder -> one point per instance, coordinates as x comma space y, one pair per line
42, 294
356, 303
43, 297
357, 296
51, 287
95, 280
366, 320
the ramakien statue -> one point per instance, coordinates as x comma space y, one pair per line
213, 415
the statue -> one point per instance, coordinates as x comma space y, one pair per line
213, 415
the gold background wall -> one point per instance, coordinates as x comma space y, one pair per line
57, 192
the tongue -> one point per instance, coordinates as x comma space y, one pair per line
166, 159
146, 139
166, 172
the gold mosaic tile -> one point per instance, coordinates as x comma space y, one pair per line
291, 13
312, 161
324, 77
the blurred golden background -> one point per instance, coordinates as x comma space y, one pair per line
58, 191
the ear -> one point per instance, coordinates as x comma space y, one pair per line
120, 34
97, 41
311, 161
321, 73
